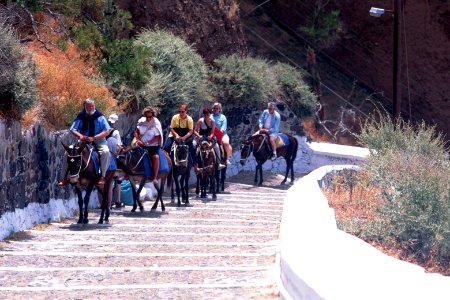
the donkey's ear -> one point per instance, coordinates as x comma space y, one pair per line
81, 147
67, 148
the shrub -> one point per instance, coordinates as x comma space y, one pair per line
179, 73
298, 94
410, 165
17, 75
243, 81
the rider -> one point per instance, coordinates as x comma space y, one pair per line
269, 123
221, 123
181, 129
114, 144
149, 136
91, 126
204, 130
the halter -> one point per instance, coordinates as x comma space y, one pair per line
250, 149
210, 166
81, 164
177, 161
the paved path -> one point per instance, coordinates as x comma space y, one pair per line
222, 249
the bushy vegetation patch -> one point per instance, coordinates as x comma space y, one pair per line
243, 81
408, 177
299, 95
17, 75
179, 73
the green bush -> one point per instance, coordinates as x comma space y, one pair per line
179, 73
410, 165
17, 75
298, 94
243, 81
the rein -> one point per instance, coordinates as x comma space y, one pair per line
179, 162
139, 161
87, 163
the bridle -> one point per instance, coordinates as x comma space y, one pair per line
244, 145
205, 151
180, 162
81, 169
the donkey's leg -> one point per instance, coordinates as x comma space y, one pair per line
288, 167
161, 191
213, 185
86, 203
292, 172
135, 196
197, 187
256, 174
186, 188
80, 204
107, 190
138, 193
178, 182
223, 175
260, 175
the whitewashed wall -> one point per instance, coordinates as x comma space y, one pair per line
318, 261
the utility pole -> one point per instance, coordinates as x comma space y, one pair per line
397, 59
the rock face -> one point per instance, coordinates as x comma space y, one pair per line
212, 27
365, 50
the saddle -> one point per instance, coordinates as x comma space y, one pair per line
95, 156
163, 163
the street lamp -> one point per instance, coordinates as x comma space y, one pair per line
396, 59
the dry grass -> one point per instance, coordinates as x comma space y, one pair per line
359, 206
65, 79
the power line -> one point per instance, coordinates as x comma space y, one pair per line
295, 64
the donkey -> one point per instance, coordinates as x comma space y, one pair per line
207, 162
131, 161
82, 173
260, 146
181, 171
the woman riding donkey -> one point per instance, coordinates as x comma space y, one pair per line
91, 126
204, 131
149, 136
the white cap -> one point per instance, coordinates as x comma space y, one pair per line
113, 118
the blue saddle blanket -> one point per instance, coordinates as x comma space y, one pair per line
163, 163
112, 162
282, 140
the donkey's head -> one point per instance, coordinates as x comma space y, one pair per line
74, 160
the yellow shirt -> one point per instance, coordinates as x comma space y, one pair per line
177, 122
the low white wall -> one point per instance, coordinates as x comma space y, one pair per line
318, 261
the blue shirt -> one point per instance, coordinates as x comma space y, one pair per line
274, 122
221, 122
100, 125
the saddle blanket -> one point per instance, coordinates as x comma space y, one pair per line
112, 162
163, 163
282, 140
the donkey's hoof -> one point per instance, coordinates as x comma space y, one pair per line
80, 221
141, 208
172, 200
100, 222
214, 197
85, 221
133, 210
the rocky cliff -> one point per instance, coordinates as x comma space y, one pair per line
212, 27
365, 50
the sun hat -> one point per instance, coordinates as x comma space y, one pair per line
113, 118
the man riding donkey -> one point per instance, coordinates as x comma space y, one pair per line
269, 123
91, 126
181, 129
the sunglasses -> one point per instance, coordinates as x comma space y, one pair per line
181, 111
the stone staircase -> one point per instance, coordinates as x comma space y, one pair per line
224, 249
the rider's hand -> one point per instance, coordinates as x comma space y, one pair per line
89, 139
140, 143
208, 138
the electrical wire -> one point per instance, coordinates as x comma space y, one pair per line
295, 64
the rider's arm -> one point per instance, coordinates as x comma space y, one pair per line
137, 135
196, 128
213, 126
262, 119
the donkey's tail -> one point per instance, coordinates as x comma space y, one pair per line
294, 148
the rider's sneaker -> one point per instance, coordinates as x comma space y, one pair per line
221, 166
64, 182
273, 157
228, 162
101, 181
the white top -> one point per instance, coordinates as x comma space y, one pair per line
113, 141
267, 123
148, 130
